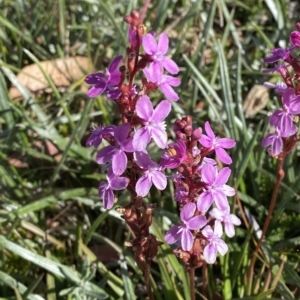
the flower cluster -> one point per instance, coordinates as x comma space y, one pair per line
283, 138
201, 189
201, 192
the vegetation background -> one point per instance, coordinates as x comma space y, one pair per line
56, 240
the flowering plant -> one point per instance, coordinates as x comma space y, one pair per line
200, 181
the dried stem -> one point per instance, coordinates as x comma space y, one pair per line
279, 177
147, 281
192, 283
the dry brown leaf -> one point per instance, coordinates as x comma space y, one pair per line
256, 100
62, 72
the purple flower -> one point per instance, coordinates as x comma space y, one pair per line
279, 87
105, 82
215, 189
153, 123
284, 122
95, 138
295, 38
212, 142
116, 152
174, 155
228, 219
165, 82
156, 52
106, 188
275, 141
215, 243
279, 67
206, 160
291, 101
183, 232
277, 54
152, 174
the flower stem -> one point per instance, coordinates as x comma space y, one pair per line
279, 177
192, 283
147, 281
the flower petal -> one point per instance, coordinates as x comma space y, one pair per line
149, 44
121, 132
143, 186
119, 162
205, 141
209, 173
114, 65
159, 136
223, 156
222, 177
96, 90
105, 154
144, 108
222, 247
141, 139
196, 222
208, 232
95, 78
221, 200
163, 44
173, 235
229, 229
187, 211
218, 231
205, 201
170, 65
209, 131
210, 253
108, 199
119, 183
187, 240
161, 111
159, 180
169, 92
225, 143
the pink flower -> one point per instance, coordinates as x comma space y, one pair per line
183, 232
215, 243
165, 82
105, 83
215, 189
275, 141
116, 153
228, 219
156, 52
106, 188
212, 142
153, 123
174, 155
152, 174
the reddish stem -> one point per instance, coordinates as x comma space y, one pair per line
279, 177
192, 283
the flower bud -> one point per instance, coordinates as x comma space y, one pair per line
295, 38
196, 135
188, 130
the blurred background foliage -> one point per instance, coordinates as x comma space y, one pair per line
56, 240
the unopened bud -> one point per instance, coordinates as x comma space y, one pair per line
188, 130
196, 135
135, 14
